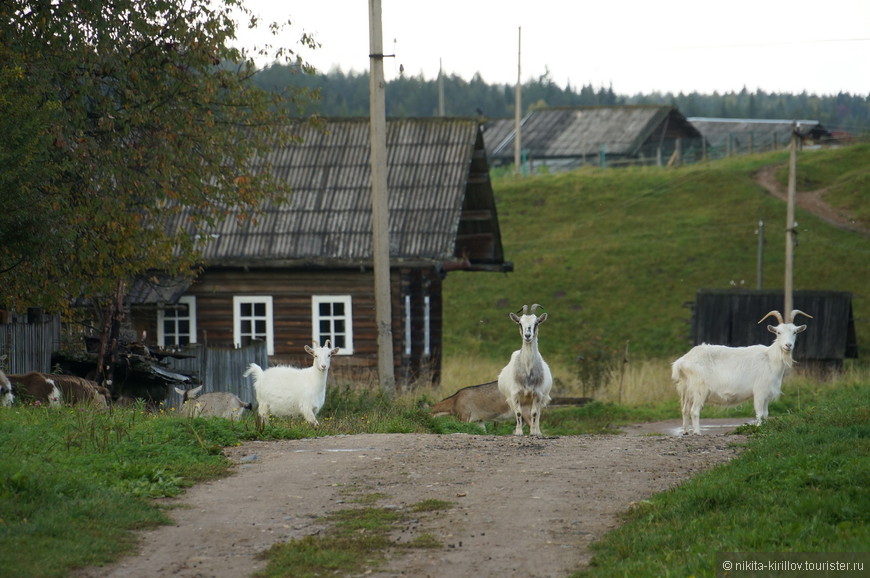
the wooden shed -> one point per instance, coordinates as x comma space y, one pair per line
730, 317
739, 136
566, 138
303, 270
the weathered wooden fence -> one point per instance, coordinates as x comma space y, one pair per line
28, 346
220, 370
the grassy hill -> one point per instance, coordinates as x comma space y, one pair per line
614, 255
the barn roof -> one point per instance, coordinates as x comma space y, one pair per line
765, 133
587, 130
442, 209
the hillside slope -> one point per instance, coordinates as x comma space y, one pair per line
614, 256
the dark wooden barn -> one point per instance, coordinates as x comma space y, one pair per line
566, 138
730, 317
303, 270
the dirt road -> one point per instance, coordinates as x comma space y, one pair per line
522, 506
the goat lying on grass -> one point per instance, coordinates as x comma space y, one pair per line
526, 380
33, 387
6, 396
728, 376
476, 404
287, 391
213, 404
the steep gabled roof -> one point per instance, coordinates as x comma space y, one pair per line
588, 130
440, 198
765, 133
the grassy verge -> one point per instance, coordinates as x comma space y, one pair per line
801, 486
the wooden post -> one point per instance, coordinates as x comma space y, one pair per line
790, 225
518, 108
380, 200
760, 252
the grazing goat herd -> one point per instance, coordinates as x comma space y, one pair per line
707, 374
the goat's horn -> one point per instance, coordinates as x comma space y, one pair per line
524, 310
535, 306
776, 314
796, 312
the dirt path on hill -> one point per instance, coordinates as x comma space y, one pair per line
812, 201
522, 506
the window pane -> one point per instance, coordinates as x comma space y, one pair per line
338, 309
324, 327
246, 327
339, 341
323, 309
260, 309
245, 309
339, 325
260, 327
184, 326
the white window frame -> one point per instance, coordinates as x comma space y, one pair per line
238, 301
188, 300
319, 336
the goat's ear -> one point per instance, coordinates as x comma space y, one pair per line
800, 329
179, 391
334, 351
541, 319
771, 328
194, 391
514, 317
310, 351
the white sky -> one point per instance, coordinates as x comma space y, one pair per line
637, 46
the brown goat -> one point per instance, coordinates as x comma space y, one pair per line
33, 387
75, 390
475, 403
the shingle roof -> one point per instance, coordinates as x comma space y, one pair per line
765, 133
328, 218
587, 130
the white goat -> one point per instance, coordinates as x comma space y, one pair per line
287, 391
6, 396
728, 376
213, 404
526, 380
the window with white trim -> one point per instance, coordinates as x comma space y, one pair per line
176, 324
332, 318
252, 321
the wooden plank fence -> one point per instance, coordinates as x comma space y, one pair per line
220, 369
28, 347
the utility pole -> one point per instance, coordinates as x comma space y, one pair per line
380, 200
760, 252
518, 141
790, 225
440, 89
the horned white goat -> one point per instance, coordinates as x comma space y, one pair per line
728, 376
526, 380
213, 404
287, 391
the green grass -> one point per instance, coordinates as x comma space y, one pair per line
800, 486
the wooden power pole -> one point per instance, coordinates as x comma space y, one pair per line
790, 225
518, 141
380, 200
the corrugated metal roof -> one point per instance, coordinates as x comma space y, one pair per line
584, 131
764, 133
328, 216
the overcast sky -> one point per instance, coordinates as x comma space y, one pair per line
635, 46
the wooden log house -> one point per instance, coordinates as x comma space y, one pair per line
303, 271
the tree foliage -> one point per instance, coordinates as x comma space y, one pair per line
114, 116
346, 94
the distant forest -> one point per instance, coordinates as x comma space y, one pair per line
343, 95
